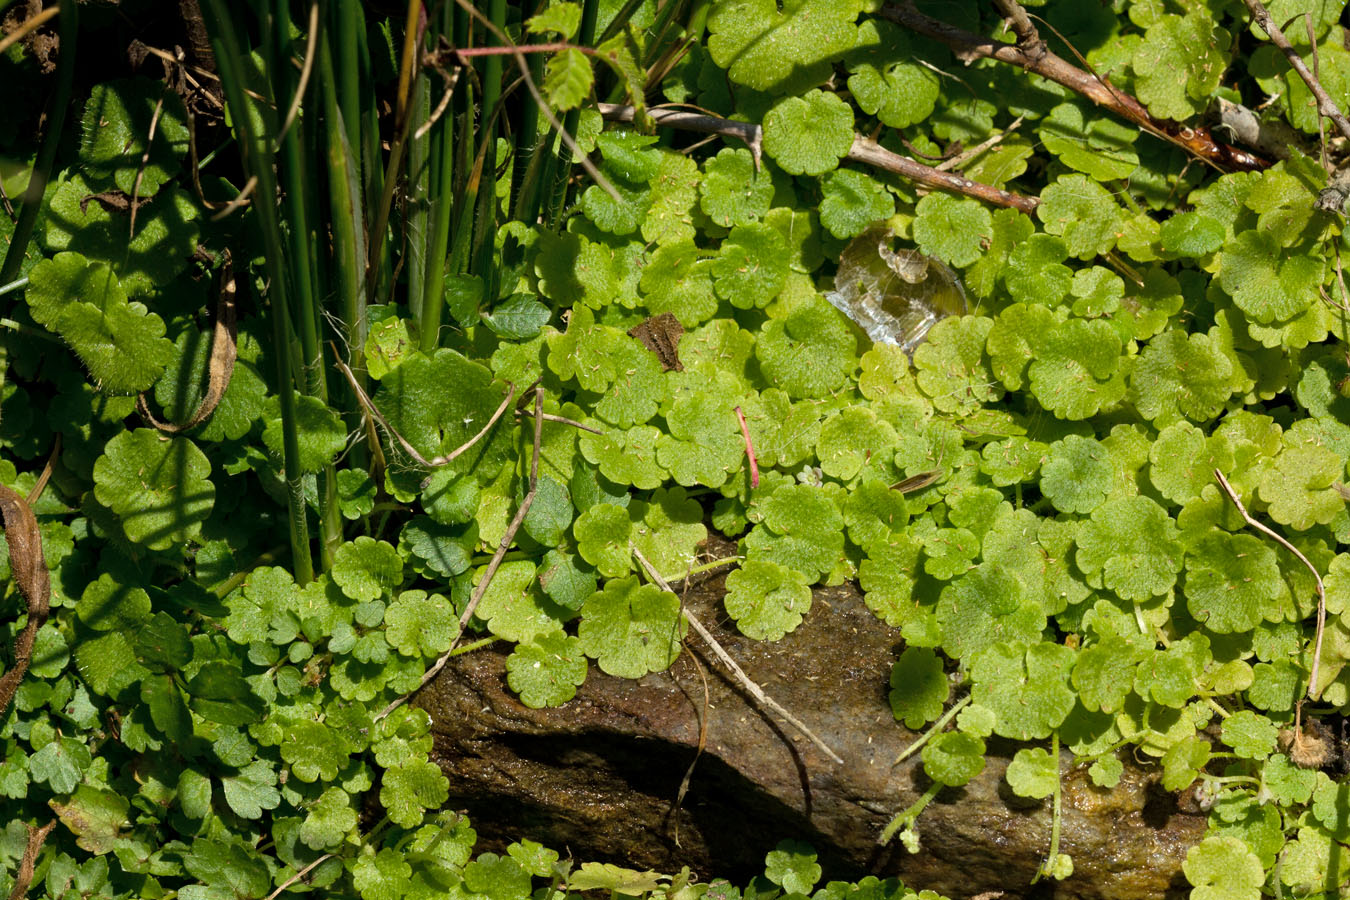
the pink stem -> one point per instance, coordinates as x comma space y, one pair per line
749, 449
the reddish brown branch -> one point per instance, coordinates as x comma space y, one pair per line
1325, 105
23, 878
870, 152
1035, 57
863, 150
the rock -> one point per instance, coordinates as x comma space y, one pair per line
598, 778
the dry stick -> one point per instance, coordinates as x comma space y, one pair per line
562, 420
145, 161
863, 150
28, 27
371, 410
220, 368
965, 156
749, 132
1321, 591
755, 690
23, 878
969, 47
1325, 105
297, 876
507, 539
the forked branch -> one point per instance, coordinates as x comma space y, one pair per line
1031, 53
1325, 105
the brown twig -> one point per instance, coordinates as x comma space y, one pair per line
496, 560
561, 420
1325, 105
220, 367
864, 151
306, 69
1321, 591
720, 652
23, 878
748, 132
1199, 142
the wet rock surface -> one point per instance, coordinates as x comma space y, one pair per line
598, 777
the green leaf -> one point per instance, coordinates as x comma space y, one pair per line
1101, 148
561, 17
983, 607
567, 79
1180, 375
106, 605
1076, 371
518, 318
1191, 234
420, 624
678, 280
808, 354
806, 135
113, 135
230, 865
220, 694
546, 671
252, 789
513, 606
1298, 486
631, 629
952, 758
1179, 64
1033, 773
1083, 213
1223, 868
329, 820
407, 791
1266, 282
367, 569
897, 90
733, 191
851, 201
120, 343
952, 366
792, 864
167, 229
751, 266
159, 489
95, 815
1026, 687
781, 47
1133, 545
952, 229
381, 876
1077, 475
1232, 582
919, 687
802, 529
766, 599
59, 764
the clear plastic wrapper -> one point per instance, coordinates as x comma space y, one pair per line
895, 296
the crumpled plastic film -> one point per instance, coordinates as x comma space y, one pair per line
895, 296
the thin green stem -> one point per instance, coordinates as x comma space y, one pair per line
1047, 865
16, 285
932, 730
258, 162
906, 818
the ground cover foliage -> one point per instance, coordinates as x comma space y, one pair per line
1031, 498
